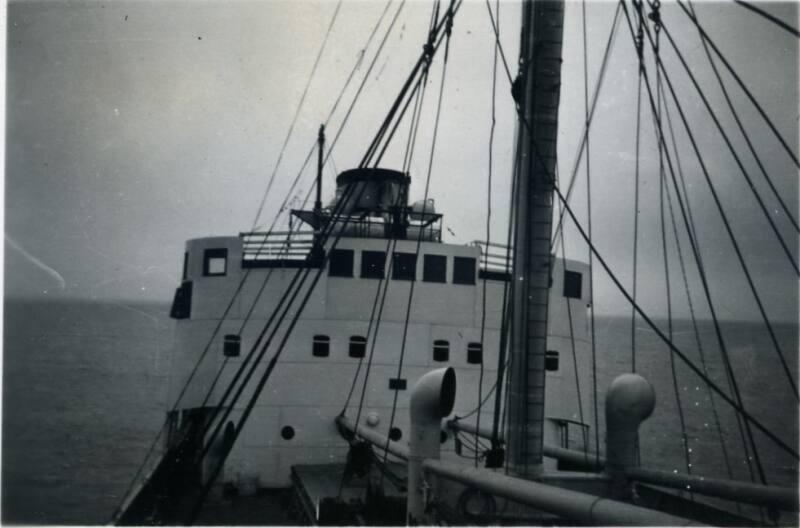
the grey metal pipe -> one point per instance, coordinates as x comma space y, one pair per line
579, 458
779, 497
432, 399
573, 505
374, 437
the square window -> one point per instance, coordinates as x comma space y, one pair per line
551, 360
215, 262
404, 266
572, 284
463, 270
358, 346
434, 268
341, 263
475, 353
441, 350
322, 346
231, 345
372, 264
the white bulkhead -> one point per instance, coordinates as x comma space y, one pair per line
293, 420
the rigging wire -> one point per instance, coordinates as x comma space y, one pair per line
691, 305
488, 223
740, 82
595, 97
586, 129
778, 22
739, 123
726, 223
243, 365
297, 112
696, 331
573, 349
733, 153
507, 300
655, 14
749, 419
640, 55
695, 251
271, 366
227, 309
449, 21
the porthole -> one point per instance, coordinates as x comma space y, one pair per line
287, 433
395, 434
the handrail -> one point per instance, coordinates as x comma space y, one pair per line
573, 505
579, 458
776, 496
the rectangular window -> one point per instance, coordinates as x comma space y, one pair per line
372, 264
572, 284
341, 263
185, 265
231, 345
441, 350
475, 353
215, 262
404, 266
551, 360
397, 384
322, 346
434, 268
463, 270
358, 346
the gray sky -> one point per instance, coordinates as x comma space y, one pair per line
132, 126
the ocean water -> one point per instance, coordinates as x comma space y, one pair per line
84, 391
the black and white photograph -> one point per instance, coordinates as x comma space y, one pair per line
401, 262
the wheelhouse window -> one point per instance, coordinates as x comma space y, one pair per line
321, 346
434, 268
441, 350
551, 360
463, 270
231, 345
341, 263
215, 262
372, 264
404, 266
358, 346
572, 284
475, 353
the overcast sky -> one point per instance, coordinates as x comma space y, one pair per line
133, 126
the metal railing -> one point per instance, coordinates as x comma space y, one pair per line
276, 245
494, 257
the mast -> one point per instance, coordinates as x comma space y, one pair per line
537, 92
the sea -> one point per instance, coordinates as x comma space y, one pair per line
85, 390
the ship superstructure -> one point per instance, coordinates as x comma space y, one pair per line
294, 420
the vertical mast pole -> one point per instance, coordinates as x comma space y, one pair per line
537, 92
320, 152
